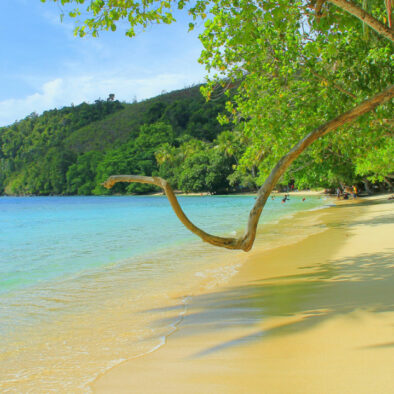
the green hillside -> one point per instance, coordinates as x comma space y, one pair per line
72, 150
177, 135
124, 124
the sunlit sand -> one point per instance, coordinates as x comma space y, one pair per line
313, 316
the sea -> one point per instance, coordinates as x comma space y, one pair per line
89, 282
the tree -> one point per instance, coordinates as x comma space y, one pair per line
81, 175
35, 153
205, 170
291, 61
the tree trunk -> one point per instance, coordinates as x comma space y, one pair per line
246, 241
389, 183
368, 19
367, 186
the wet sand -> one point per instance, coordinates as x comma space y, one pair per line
315, 316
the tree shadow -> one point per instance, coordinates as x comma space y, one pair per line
336, 287
379, 346
375, 221
361, 203
383, 219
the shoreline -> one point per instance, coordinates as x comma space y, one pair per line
94, 319
235, 260
274, 193
177, 193
222, 329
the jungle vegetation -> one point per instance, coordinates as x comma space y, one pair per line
279, 70
72, 150
315, 84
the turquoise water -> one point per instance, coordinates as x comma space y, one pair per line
76, 272
43, 238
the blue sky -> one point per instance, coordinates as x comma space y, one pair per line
43, 66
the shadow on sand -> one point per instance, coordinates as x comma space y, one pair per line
338, 287
323, 291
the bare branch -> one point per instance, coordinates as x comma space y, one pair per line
359, 13
230, 243
246, 241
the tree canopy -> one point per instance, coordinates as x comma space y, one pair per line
297, 64
301, 70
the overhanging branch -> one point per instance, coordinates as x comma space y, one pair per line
246, 241
230, 243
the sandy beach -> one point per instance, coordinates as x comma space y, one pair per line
312, 316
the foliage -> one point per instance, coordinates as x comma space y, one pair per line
296, 73
33, 156
137, 156
294, 68
73, 150
81, 176
195, 166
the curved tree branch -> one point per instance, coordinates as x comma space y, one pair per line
361, 14
230, 243
246, 241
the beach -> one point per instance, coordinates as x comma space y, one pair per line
87, 283
313, 313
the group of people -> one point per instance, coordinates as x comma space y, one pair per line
347, 191
286, 198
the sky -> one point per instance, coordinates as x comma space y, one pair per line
43, 66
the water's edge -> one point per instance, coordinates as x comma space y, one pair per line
78, 326
260, 246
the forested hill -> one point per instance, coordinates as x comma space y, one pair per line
73, 149
176, 136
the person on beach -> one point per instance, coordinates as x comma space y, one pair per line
354, 191
338, 193
285, 198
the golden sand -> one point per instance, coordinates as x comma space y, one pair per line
315, 316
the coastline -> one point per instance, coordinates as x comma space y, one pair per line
179, 193
313, 315
95, 315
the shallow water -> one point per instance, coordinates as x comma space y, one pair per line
79, 275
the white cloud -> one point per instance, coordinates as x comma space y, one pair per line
12, 109
63, 91
62, 69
